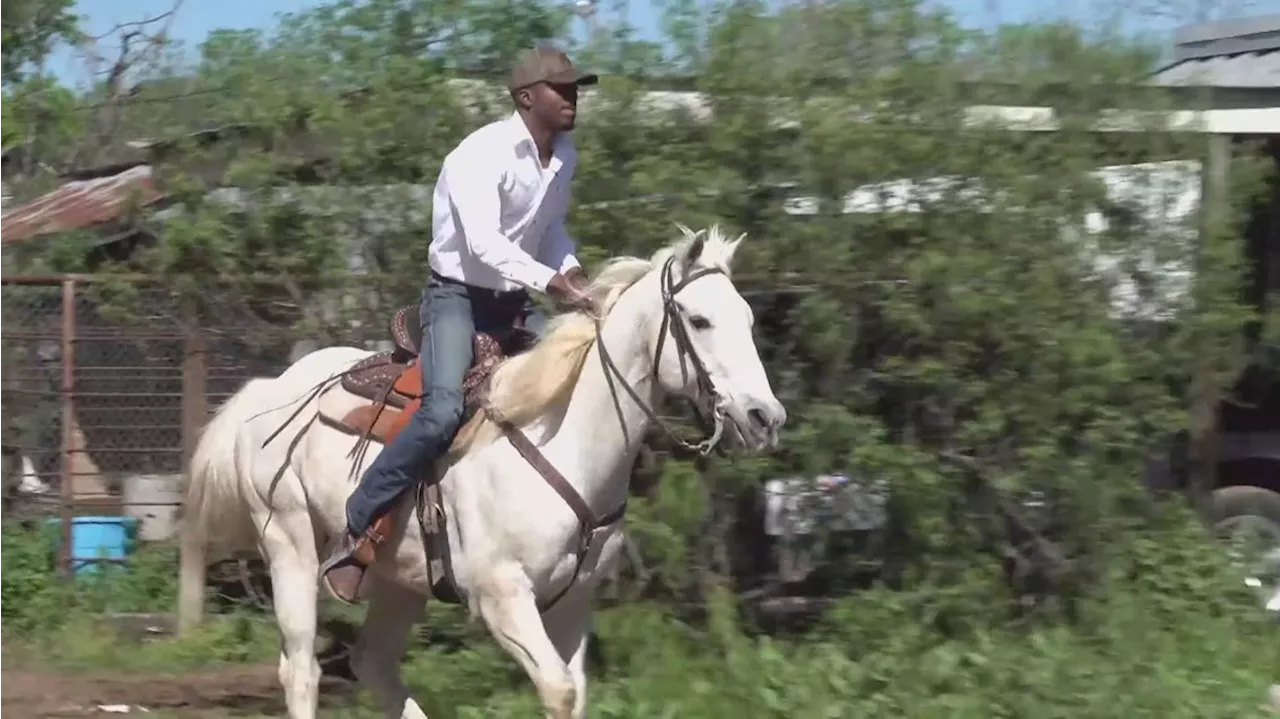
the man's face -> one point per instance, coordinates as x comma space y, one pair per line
554, 106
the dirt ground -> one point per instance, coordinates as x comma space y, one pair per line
242, 690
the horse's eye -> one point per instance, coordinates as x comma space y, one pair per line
699, 322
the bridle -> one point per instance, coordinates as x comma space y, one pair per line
684, 346
588, 520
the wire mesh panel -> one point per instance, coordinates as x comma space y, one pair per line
31, 340
94, 398
128, 380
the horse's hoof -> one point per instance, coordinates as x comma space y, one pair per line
558, 701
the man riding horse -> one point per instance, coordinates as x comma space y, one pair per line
497, 231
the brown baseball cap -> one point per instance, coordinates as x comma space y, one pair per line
547, 64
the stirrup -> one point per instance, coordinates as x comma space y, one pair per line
342, 572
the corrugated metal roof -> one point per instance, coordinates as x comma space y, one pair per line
1249, 69
79, 204
1234, 53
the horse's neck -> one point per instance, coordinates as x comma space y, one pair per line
603, 427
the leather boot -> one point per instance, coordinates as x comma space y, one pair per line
342, 573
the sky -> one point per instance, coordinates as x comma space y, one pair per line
196, 18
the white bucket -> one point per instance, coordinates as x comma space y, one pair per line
154, 500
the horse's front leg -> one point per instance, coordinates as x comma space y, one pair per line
568, 623
509, 608
392, 612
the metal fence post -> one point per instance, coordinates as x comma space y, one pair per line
67, 459
191, 572
1205, 394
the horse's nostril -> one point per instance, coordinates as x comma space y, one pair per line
757, 418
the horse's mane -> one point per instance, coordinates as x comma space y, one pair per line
522, 388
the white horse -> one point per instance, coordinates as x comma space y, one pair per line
583, 396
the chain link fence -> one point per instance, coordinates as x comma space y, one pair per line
103, 389
32, 326
108, 381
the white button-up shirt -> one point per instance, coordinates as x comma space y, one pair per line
497, 215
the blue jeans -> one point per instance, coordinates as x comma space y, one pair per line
450, 314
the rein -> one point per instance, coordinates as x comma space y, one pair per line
588, 521
684, 345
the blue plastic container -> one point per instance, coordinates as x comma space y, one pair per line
96, 538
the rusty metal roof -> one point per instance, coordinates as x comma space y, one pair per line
80, 204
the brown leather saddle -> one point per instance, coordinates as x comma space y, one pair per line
392, 380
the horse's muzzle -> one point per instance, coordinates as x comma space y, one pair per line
758, 422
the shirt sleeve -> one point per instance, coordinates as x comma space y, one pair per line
558, 248
473, 195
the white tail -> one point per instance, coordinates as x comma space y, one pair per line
213, 502
213, 511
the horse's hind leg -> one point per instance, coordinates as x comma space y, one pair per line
376, 659
508, 606
289, 545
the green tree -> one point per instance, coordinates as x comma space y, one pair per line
927, 308
939, 294
38, 114
32, 28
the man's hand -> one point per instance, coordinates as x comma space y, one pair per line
568, 288
577, 279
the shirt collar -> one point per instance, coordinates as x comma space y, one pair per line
561, 148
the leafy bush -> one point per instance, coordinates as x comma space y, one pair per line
953, 286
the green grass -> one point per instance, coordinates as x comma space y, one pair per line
86, 643
1165, 637
1126, 662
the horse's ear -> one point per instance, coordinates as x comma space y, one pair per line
695, 250
695, 247
733, 246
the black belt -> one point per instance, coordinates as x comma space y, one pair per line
499, 295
